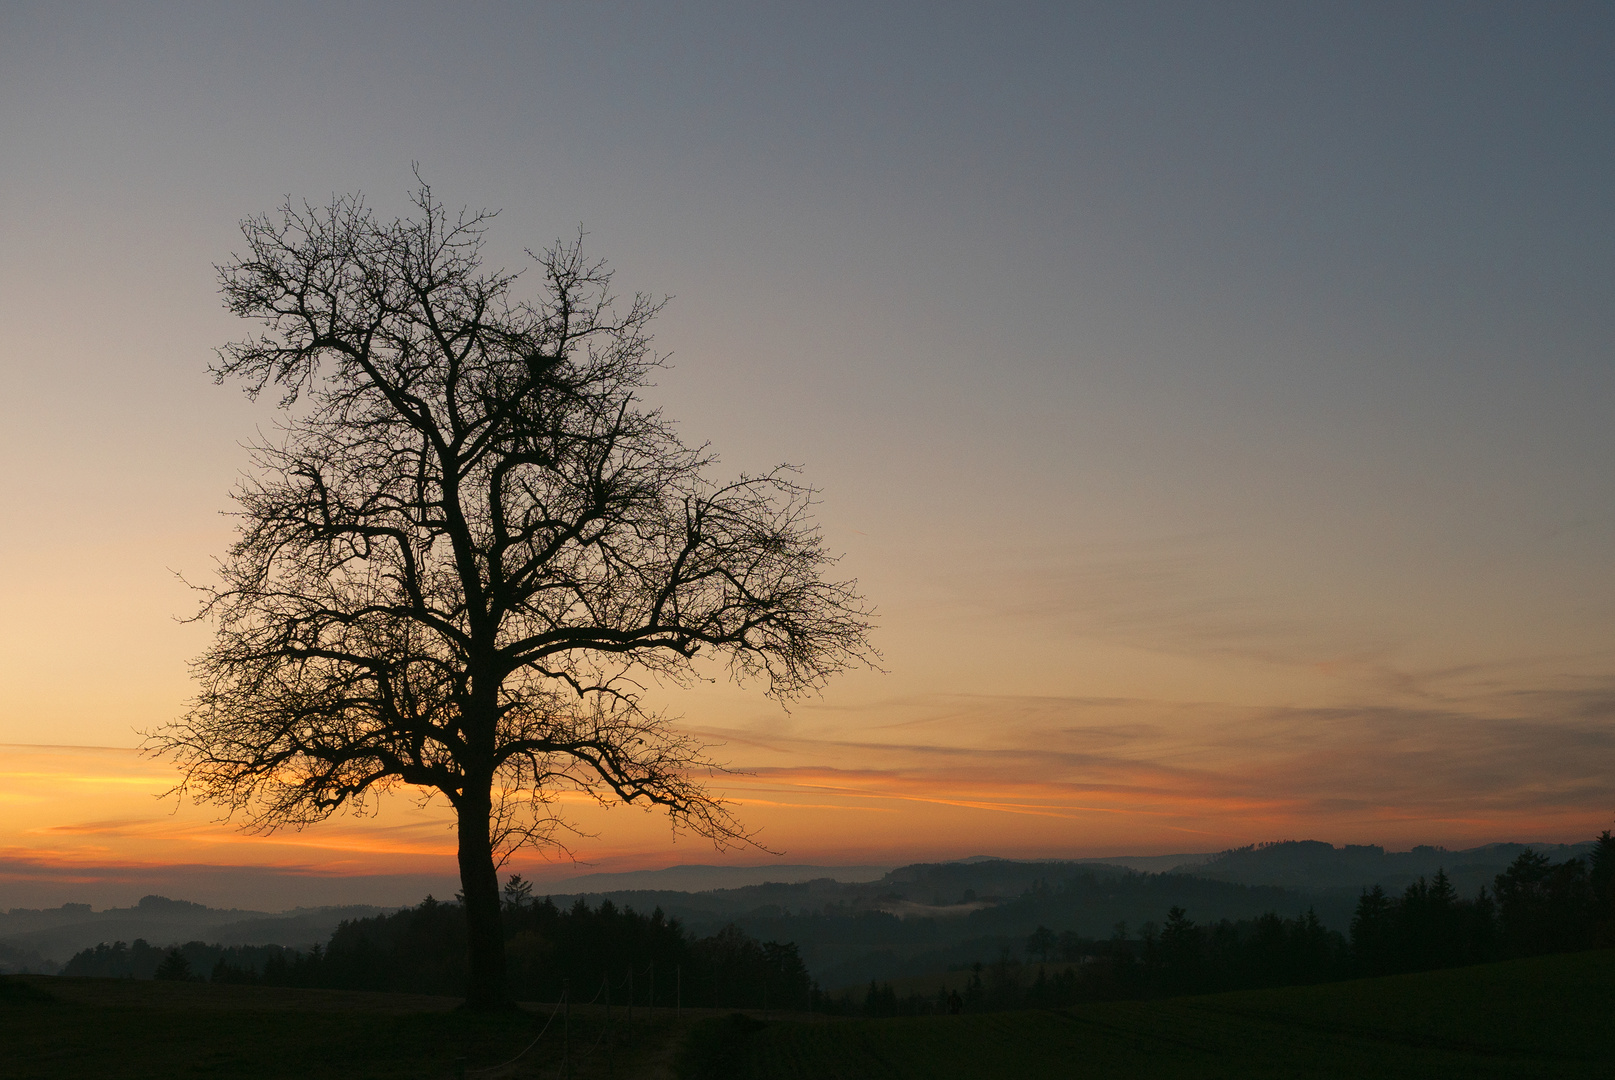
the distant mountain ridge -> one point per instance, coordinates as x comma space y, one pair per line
1316, 866
40, 939
696, 877
700, 878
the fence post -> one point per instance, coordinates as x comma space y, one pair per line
678, 993
630, 1004
611, 1061
566, 1027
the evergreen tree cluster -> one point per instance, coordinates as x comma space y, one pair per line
1537, 906
190, 961
587, 952
1427, 927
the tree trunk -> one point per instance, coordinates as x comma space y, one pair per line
486, 987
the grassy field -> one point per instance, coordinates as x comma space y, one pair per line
1546, 1017
138, 1029
928, 985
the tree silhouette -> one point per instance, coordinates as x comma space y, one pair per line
1545, 906
1182, 948
1601, 877
469, 548
1041, 943
174, 968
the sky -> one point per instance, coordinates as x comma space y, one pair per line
1213, 400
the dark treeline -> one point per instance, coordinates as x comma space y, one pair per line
142, 960
587, 952
1536, 906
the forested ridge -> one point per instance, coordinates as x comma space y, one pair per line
1535, 906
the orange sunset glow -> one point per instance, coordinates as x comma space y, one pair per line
926, 779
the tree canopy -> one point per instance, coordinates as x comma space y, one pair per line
470, 546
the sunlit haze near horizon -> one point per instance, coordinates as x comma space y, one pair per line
1214, 401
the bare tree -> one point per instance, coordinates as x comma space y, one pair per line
469, 548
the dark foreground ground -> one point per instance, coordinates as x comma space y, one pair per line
1546, 1017
131, 1030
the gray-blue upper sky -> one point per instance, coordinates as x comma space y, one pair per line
1247, 354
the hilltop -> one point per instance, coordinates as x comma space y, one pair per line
1316, 867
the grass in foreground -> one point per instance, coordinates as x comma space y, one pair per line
1543, 1017
139, 1029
